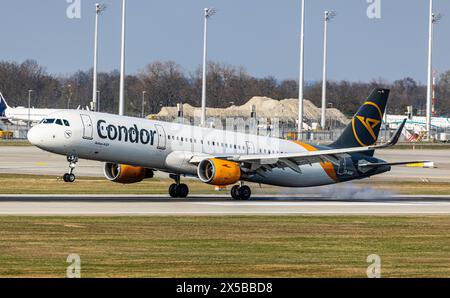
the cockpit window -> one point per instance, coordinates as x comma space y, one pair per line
59, 122
66, 123
48, 121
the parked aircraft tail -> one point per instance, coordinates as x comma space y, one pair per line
3, 105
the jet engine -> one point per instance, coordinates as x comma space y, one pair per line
126, 174
219, 172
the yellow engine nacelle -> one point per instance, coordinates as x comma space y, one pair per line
126, 174
219, 172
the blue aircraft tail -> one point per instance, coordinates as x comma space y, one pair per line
3, 105
365, 125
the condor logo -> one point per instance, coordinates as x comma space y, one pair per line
125, 134
366, 123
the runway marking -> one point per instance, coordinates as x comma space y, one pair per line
305, 203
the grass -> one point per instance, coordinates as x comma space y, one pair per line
32, 184
225, 246
16, 143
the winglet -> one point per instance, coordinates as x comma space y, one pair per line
394, 140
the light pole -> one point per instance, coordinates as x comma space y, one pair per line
98, 100
69, 97
301, 81
432, 20
328, 15
99, 8
209, 12
143, 103
29, 108
122, 64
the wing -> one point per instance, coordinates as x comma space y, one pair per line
296, 159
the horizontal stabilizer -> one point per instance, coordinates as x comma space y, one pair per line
380, 164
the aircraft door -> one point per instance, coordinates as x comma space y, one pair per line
250, 148
161, 137
87, 127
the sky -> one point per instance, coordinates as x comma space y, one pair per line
260, 35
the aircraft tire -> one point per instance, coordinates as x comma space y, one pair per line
182, 191
71, 178
235, 192
245, 193
66, 177
173, 190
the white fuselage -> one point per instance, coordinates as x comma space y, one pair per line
24, 114
163, 146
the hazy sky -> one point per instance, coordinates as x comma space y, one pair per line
261, 35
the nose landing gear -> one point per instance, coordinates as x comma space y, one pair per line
70, 177
178, 190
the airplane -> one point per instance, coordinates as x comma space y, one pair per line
22, 113
134, 148
418, 123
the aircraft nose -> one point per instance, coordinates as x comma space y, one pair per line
34, 136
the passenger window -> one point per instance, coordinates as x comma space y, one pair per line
66, 123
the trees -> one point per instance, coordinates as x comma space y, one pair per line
16, 79
443, 94
167, 84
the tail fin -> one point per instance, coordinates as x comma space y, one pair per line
3, 105
365, 125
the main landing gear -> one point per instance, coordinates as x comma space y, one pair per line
241, 192
178, 190
70, 177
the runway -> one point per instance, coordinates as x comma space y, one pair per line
219, 205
